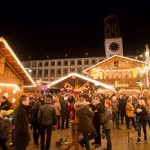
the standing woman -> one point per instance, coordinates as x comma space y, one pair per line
130, 113
57, 107
107, 122
34, 121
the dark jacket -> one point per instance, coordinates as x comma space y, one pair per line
3, 129
21, 131
34, 119
85, 118
97, 113
122, 105
47, 115
143, 114
64, 109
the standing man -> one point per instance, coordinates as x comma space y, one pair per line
47, 118
21, 131
64, 113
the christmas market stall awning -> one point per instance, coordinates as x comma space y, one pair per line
75, 79
12, 60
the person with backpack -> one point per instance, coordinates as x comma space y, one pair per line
47, 119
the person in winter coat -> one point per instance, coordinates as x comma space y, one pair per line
21, 131
57, 107
85, 120
47, 118
140, 111
34, 121
97, 107
71, 109
107, 122
64, 113
130, 114
115, 111
3, 131
122, 108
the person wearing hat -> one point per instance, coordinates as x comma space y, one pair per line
47, 118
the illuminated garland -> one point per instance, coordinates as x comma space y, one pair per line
70, 89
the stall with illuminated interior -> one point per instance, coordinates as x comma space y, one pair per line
13, 76
76, 83
121, 72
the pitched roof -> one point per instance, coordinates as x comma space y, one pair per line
97, 83
105, 60
13, 60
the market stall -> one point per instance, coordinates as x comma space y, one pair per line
13, 76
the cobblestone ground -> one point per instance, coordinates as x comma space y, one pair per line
119, 140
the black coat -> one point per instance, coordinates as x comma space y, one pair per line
34, 118
64, 109
21, 131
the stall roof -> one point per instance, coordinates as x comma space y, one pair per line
72, 75
13, 60
114, 56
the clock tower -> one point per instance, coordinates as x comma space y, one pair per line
113, 39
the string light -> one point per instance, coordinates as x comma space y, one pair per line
17, 60
128, 59
10, 85
97, 83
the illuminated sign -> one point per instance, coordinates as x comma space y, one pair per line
120, 85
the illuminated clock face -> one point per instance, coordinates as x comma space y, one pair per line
114, 46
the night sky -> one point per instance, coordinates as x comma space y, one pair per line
38, 29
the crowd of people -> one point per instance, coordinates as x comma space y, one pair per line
95, 116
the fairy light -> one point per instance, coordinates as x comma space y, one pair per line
10, 85
97, 83
16, 58
127, 61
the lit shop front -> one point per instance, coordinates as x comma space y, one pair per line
13, 76
121, 72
